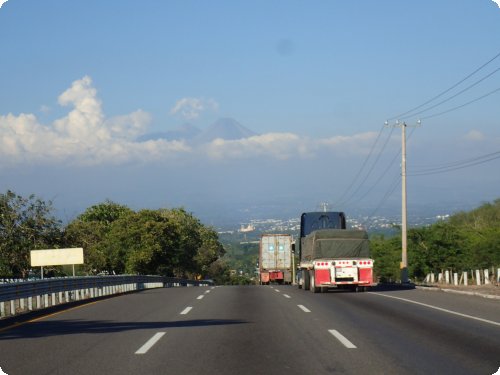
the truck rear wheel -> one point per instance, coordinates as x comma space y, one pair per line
313, 286
305, 277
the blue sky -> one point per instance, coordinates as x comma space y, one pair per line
80, 81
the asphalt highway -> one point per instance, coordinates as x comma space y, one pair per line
261, 330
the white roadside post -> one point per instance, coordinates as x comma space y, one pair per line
486, 276
466, 275
478, 277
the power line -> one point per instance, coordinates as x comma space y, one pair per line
394, 184
445, 91
461, 106
459, 165
341, 199
391, 163
454, 96
370, 170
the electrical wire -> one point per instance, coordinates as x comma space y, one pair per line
349, 199
341, 199
395, 183
453, 96
458, 165
407, 113
461, 106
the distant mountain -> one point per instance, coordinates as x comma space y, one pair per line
225, 128
185, 131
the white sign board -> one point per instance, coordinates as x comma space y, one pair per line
56, 257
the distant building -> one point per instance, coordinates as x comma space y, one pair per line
246, 229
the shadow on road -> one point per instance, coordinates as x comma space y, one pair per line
71, 327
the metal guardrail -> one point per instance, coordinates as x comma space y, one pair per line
16, 298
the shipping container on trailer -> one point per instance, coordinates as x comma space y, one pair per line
275, 259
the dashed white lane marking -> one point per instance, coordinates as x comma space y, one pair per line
149, 344
186, 310
342, 339
276, 290
303, 308
440, 309
200, 297
208, 291
286, 296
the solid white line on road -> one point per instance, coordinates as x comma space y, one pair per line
149, 344
286, 296
342, 339
303, 308
440, 309
186, 310
200, 297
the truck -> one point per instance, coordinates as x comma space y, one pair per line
332, 256
275, 259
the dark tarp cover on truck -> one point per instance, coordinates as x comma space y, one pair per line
335, 243
311, 221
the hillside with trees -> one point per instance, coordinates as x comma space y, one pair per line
466, 241
115, 239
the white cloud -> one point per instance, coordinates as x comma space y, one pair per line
191, 108
2, 2
285, 146
474, 135
84, 136
278, 145
497, 2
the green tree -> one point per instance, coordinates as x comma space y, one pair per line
106, 212
88, 235
209, 251
143, 242
90, 229
25, 224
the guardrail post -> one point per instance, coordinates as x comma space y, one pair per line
2, 309
21, 304
53, 299
455, 278
12, 307
466, 275
30, 303
46, 300
447, 276
478, 277
486, 276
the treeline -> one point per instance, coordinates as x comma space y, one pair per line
466, 241
115, 239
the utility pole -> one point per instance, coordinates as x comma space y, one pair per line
404, 236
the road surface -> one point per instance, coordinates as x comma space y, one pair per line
260, 330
